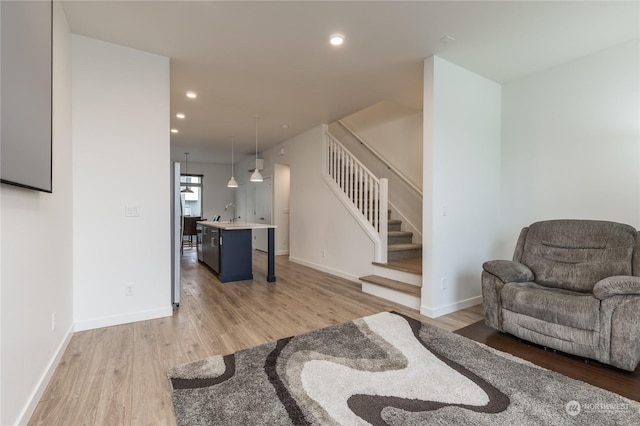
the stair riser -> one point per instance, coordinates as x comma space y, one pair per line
404, 239
394, 227
407, 277
404, 254
407, 300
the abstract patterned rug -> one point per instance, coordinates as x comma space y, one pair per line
385, 369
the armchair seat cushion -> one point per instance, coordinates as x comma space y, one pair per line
564, 307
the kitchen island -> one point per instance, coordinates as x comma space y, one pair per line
227, 249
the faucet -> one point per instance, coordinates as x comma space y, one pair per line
233, 219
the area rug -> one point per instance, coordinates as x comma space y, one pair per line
385, 369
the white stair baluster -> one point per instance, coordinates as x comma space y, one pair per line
360, 187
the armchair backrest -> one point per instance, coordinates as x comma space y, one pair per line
576, 254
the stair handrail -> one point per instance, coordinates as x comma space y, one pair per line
379, 156
366, 196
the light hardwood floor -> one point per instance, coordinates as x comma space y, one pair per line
117, 375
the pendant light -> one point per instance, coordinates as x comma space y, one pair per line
187, 190
256, 176
232, 182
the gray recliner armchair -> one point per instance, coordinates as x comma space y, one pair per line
573, 285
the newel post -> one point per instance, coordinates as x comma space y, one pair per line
383, 215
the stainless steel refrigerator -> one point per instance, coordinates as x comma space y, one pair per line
176, 233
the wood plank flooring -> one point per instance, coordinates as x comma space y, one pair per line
622, 382
117, 375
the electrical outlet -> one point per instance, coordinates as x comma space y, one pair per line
130, 290
53, 321
443, 283
131, 211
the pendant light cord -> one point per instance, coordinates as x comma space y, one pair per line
256, 176
256, 142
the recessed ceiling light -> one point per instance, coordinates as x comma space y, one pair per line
192, 95
180, 115
336, 39
174, 130
285, 126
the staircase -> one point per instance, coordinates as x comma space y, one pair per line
362, 193
398, 261
400, 278
399, 243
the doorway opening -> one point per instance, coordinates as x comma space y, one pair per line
191, 190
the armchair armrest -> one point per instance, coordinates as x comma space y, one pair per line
618, 285
508, 271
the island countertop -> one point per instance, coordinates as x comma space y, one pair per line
230, 226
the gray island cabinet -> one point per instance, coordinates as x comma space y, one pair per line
226, 249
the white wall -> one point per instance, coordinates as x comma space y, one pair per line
216, 195
36, 257
276, 166
120, 100
404, 202
461, 184
323, 233
395, 132
386, 126
571, 143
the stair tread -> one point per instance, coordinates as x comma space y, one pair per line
404, 246
413, 265
394, 221
399, 233
392, 284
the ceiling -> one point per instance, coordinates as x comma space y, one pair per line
273, 59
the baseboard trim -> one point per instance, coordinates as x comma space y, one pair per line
124, 319
447, 309
326, 269
37, 393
